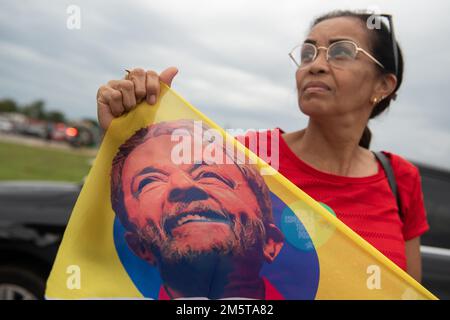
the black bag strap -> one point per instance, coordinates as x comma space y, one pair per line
386, 164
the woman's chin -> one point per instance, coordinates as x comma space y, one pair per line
314, 108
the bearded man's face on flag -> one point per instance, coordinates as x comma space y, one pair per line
184, 211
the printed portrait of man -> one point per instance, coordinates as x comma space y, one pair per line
207, 227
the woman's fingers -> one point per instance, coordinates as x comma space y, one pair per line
120, 96
126, 88
152, 87
115, 102
167, 75
152, 83
138, 77
109, 105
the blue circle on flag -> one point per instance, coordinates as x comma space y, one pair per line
294, 273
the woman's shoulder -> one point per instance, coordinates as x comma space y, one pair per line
406, 172
401, 163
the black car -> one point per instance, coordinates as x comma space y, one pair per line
33, 216
436, 243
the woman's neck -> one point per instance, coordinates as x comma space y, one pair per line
333, 148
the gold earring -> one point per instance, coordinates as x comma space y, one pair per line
374, 100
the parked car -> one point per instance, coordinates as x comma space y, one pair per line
6, 125
79, 136
76, 136
436, 243
33, 217
35, 128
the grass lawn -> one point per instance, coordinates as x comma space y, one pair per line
22, 162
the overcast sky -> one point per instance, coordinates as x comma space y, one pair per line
232, 57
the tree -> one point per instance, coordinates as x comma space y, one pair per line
8, 105
35, 110
55, 116
92, 122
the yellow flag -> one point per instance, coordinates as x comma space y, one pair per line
175, 207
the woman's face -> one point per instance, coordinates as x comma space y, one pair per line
348, 89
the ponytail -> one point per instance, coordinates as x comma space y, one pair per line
365, 138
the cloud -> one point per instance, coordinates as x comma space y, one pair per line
232, 58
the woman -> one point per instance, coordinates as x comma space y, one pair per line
347, 74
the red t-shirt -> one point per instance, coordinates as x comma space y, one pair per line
366, 204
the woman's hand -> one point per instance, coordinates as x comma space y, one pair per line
120, 96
